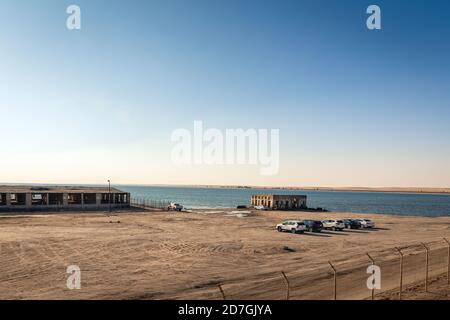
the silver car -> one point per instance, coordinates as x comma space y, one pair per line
366, 223
294, 226
333, 224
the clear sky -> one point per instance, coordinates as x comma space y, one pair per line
354, 107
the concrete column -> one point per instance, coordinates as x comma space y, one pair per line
28, 200
8, 199
98, 199
48, 199
82, 200
65, 199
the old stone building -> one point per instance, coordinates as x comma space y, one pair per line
279, 202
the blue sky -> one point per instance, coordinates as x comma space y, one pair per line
354, 107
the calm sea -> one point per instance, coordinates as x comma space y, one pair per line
358, 202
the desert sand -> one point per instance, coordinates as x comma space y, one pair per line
162, 255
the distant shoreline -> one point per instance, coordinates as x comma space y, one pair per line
413, 190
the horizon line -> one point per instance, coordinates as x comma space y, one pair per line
415, 189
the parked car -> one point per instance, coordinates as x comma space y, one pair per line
293, 226
261, 208
175, 207
333, 224
313, 225
366, 223
352, 224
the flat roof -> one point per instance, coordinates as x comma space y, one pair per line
56, 189
279, 195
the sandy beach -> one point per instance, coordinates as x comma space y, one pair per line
161, 255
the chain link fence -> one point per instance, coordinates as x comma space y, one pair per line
145, 202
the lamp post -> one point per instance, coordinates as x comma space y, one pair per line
109, 195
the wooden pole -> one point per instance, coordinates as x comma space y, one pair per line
401, 273
373, 280
426, 266
287, 285
335, 280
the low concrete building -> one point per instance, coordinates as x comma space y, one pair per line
29, 198
280, 202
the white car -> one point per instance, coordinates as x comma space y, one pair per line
175, 207
293, 226
260, 208
366, 223
333, 224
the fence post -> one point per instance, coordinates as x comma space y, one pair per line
426, 263
373, 272
287, 285
335, 280
221, 291
448, 261
401, 273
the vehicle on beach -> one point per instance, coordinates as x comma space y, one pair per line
333, 224
174, 207
366, 223
261, 208
352, 224
293, 226
313, 225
